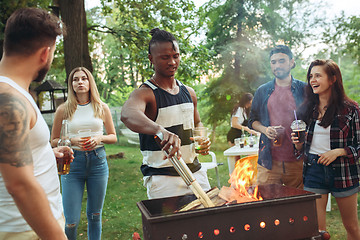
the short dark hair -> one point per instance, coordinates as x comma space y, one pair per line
281, 49
29, 29
159, 35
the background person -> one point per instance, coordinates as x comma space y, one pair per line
239, 119
273, 105
84, 110
164, 104
30, 200
332, 144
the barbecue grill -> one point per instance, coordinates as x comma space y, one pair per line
285, 213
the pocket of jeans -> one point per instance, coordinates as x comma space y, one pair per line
101, 155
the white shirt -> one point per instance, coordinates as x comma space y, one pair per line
240, 115
45, 171
321, 139
83, 118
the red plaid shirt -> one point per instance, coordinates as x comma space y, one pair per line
344, 133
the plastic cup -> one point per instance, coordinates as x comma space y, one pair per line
200, 135
237, 142
84, 133
251, 141
280, 132
299, 127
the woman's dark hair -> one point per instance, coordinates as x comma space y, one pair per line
245, 98
160, 36
338, 98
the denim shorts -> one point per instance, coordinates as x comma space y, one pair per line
319, 178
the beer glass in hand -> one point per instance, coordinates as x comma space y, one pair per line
85, 136
200, 135
280, 132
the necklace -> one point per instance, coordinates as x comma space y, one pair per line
168, 90
84, 102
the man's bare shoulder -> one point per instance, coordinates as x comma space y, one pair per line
15, 116
192, 93
144, 93
4, 87
190, 89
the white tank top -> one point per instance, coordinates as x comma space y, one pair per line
45, 171
83, 118
321, 139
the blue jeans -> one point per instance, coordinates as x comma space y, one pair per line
88, 167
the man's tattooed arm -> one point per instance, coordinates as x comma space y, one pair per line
14, 131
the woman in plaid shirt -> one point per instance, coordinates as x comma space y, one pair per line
332, 146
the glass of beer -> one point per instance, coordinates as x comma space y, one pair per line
63, 164
200, 135
84, 134
280, 131
298, 127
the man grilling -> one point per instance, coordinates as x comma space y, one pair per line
165, 105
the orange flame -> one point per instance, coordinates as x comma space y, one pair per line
243, 177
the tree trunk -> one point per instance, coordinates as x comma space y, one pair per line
76, 49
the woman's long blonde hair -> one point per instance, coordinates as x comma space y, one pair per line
71, 102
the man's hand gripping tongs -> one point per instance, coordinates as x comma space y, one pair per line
186, 175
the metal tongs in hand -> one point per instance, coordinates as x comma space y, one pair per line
185, 173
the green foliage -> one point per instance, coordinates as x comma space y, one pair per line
57, 71
9, 6
347, 34
124, 56
240, 34
351, 77
300, 70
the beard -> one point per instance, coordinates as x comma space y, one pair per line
42, 73
282, 74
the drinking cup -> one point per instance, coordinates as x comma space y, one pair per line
84, 134
200, 135
280, 132
242, 141
299, 127
251, 141
237, 142
63, 164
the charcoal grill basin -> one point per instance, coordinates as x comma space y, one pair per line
285, 213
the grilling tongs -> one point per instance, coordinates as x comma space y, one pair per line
185, 173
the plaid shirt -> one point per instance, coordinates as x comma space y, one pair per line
344, 133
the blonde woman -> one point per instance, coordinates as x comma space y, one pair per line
84, 110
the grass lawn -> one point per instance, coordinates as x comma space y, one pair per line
121, 217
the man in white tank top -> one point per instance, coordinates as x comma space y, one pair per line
30, 199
